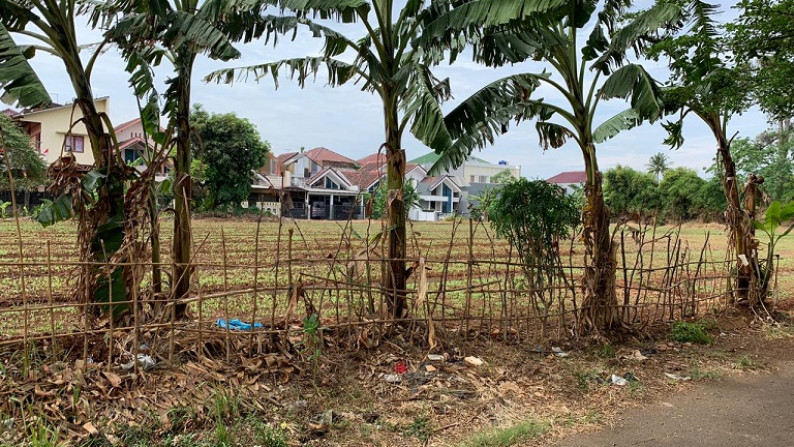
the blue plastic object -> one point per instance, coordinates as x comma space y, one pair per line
237, 325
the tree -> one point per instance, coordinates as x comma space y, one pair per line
184, 30
389, 61
535, 216
627, 191
771, 156
763, 39
680, 193
100, 206
27, 169
657, 165
231, 149
552, 36
706, 84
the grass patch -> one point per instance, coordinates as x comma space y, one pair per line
698, 373
684, 332
507, 436
745, 363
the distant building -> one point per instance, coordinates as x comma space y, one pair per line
48, 128
473, 170
570, 180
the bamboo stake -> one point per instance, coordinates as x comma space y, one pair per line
49, 297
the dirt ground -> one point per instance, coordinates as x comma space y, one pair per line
746, 410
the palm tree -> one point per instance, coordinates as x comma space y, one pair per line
658, 165
553, 38
388, 63
183, 30
705, 84
51, 24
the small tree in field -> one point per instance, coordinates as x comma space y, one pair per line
534, 216
230, 150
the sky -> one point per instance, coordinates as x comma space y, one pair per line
349, 121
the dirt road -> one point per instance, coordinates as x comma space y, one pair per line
753, 410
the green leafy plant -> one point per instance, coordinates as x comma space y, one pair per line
685, 332
776, 215
3, 207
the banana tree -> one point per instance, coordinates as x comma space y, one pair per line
706, 85
553, 38
51, 25
178, 31
385, 63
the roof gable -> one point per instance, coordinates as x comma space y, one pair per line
579, 177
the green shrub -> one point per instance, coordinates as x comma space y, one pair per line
684, 332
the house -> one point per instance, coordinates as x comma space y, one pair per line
570, 180
438, 197
473, 170
134, 144
312, 184
51, 131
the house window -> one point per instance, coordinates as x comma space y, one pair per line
130, 155
471, 179
37, 142
74, 143
329, 184
483, 179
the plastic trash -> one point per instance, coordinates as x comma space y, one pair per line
237, 325
435, 357
474, 361
392, 378
677, 377
559, 352
619, 381
145, 362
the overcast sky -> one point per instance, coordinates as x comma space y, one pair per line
349, 121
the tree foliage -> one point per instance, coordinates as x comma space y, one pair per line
771, 155
679, 191
627, 191
230, 150
658, 164
27, 168
533, 216
379, 207
763, 39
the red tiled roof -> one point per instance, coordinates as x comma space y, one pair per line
321, 154
365, 176
121, 127
579, 177
373, 158
284, 157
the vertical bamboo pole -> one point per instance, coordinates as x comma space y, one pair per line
225, 295
469, 273
49, 297
256, 285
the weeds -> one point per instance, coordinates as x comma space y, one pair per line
705, 374
508, 436
745, 363
606, 351
419, 428
684, 332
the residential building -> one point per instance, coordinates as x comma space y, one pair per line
133, 145
473, 170
570, 180
52, 133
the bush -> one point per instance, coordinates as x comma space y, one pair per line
684, 332
628, 191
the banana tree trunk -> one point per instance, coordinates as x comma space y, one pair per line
103, 233
182, 189
395, 212
740, 227
600, 304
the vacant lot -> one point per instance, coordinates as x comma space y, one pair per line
235, 257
